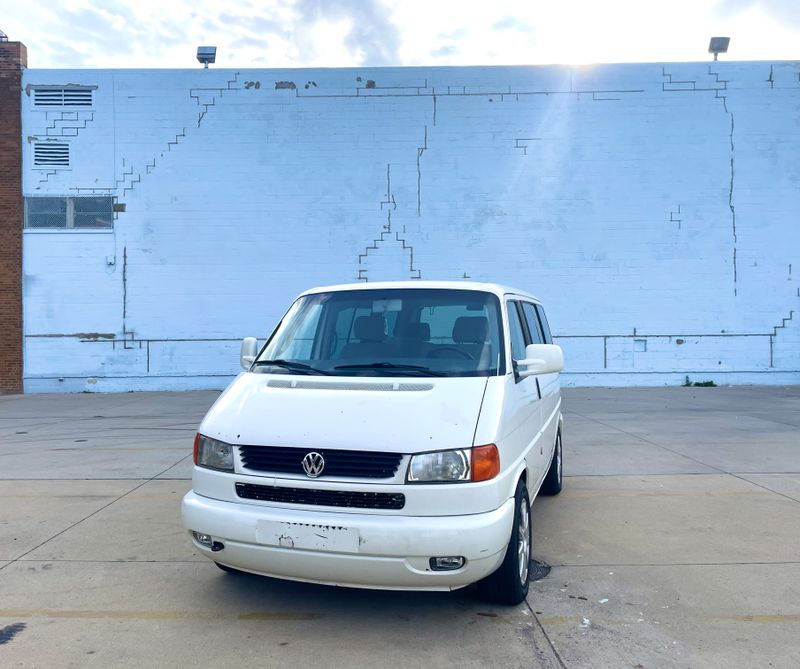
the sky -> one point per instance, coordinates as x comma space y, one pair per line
353, 33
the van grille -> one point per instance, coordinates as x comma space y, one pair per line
341, 498
357, 464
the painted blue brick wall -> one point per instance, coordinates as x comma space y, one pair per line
653, 208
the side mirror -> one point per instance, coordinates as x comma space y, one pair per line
541, 359
249, 352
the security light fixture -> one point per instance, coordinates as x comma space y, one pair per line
206, 54
718, 45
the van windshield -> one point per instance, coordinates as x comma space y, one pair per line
388, 332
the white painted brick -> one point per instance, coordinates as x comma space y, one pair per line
537, 178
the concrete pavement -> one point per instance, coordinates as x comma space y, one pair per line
675, 543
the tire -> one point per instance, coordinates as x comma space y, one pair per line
555, 475
509, 584
228, 569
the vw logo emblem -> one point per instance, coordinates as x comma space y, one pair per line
313, 464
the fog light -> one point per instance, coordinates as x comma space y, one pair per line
203, 539
448, 563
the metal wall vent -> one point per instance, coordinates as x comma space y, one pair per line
62, 97
51, 154
350, 385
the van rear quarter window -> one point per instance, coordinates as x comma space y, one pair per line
548, 339
535, 329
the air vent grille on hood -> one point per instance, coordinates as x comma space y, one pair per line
350, 385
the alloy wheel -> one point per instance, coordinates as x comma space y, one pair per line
558, 458
524, 541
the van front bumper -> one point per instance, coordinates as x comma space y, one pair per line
376, 551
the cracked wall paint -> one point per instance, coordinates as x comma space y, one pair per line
675, 216
704, 84
732, 207
420, 151
389, 256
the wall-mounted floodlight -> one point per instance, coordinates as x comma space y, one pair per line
206, 54
718, 45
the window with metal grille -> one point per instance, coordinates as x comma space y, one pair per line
69, 213
50, 154
66, 96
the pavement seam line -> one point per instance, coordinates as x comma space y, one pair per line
764, 486
93, 513
578, 476
203, 561
680, 564
689, 457
122, 478
544, 633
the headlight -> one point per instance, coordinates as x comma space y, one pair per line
479, 463
212, 453
439, 466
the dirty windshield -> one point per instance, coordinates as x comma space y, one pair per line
393, 332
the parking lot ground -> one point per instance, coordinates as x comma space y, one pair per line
675, 543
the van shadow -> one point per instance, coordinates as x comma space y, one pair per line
260, 597
254, 594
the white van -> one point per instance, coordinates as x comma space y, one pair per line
387, 435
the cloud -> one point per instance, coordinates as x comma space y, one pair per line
782, 11
512, 23
90, 31
84, 35
372, 34
154, 33
250, 42
347, 33
458, 33
63, 55
446, 50
252, 23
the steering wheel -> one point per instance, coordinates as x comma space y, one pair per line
436, 353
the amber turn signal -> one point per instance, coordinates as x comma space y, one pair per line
485, 462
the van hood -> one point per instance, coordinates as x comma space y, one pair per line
404, 415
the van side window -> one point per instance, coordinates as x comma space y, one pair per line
548, 339
516, 331
533, 323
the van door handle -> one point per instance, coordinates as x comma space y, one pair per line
538, 389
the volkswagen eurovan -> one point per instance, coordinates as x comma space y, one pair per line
386, 435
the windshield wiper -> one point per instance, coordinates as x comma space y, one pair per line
425, 371
290, 364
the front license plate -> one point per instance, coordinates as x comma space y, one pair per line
308, 537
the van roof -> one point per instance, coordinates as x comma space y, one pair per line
494, 288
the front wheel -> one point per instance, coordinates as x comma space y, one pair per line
509, 584
554, 478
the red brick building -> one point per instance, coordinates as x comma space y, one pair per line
13, 59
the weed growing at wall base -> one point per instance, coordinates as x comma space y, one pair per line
687, 383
